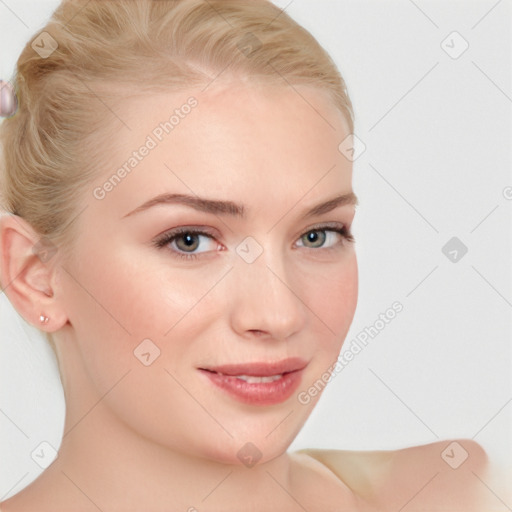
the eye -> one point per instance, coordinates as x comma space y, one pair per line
187, 242
326, 237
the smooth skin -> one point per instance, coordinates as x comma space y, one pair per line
161, 437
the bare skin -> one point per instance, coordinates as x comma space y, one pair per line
161, 437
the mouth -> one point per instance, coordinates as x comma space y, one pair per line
259, 369
258, 383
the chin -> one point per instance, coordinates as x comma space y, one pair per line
248, 452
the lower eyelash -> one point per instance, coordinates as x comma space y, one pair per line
186, 256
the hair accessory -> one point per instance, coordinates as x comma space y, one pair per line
8, 99
44, 319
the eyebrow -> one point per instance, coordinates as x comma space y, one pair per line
218, 207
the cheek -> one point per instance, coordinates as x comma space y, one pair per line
117, 300
331, 296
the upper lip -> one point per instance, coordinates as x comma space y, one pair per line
260, 369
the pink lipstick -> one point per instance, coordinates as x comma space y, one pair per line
258, 383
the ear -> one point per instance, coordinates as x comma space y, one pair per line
28, 265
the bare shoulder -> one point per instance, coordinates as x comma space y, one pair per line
438, 476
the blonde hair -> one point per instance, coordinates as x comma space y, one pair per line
50, 149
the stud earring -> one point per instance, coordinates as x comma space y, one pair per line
44, 319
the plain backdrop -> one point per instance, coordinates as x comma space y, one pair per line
431, 86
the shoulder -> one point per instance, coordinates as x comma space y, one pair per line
440, 475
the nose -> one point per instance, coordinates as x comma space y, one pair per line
265, 299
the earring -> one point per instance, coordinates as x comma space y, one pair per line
44, 319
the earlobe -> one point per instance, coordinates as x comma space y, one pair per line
25, 276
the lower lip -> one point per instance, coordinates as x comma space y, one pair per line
262, 393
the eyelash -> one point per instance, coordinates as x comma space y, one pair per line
166, 239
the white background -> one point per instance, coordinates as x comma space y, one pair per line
437, 165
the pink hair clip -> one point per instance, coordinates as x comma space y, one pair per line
8, 99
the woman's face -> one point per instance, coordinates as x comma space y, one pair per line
265, 282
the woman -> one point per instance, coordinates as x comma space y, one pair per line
179, 226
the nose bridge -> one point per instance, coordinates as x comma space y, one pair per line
264, 298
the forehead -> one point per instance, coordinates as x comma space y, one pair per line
230, 139
245, 107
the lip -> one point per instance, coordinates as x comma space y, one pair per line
260, 369
226, 378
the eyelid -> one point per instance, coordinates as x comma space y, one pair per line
195, 229
323, 226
